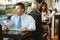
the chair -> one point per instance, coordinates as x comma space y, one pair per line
46, 32
36, 35
1, 36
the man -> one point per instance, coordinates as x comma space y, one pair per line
29, 9
21, 20
57, 6
37, 35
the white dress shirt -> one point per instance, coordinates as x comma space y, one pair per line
57, 5
50, 15
26, 21
44, 16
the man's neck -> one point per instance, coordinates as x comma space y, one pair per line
21, 14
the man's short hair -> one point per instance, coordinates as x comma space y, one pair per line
29, 4
21, 4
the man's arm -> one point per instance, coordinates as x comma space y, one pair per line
32, 25
9, 24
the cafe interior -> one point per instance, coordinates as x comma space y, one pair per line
49, 32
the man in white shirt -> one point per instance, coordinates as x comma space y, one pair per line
27, 21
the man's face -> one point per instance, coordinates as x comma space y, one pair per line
19, 10
29, 9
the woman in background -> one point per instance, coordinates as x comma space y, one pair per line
45, 13
46, 17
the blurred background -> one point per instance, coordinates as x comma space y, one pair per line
7, 8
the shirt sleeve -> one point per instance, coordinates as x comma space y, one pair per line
4, 23
52, 14
32, 26
11, 22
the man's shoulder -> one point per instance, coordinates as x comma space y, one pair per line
35, 12
28, 16
13, 16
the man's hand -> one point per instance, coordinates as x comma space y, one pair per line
6, 28
23, 29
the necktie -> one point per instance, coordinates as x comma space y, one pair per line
19, 22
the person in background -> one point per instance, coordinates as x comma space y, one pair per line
57, 7
35, 6
46, 17
37, 35
4, 23
29, 9
21, 21
44, 12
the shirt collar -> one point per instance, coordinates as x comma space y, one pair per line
22, 16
